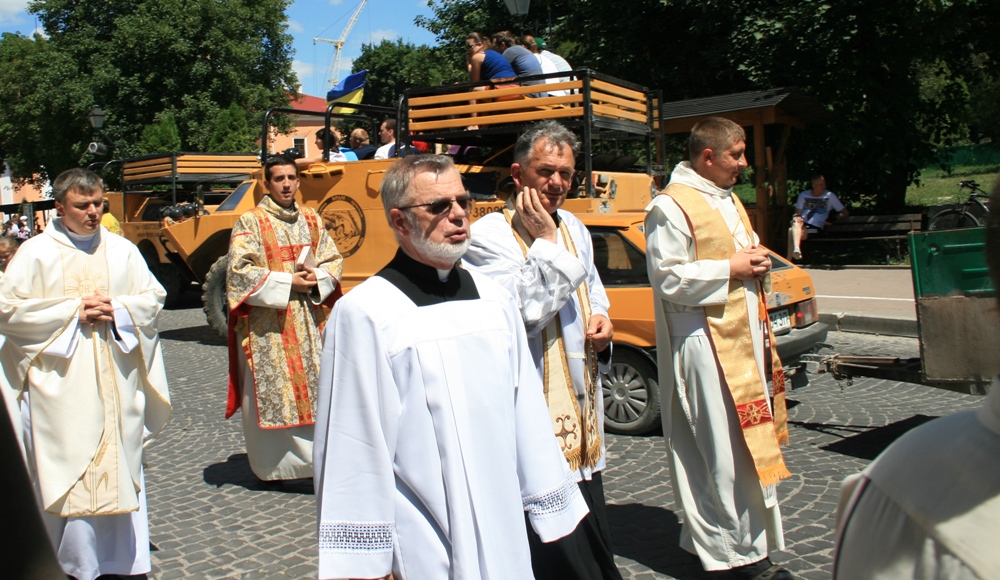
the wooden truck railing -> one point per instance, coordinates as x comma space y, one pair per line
599, 106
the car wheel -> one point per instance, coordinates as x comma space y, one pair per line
631, 393
214, 297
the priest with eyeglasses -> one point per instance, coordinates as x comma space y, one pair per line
432, 438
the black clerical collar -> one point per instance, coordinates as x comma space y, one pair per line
422, 285
555, 217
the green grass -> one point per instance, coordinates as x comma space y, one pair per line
937, 187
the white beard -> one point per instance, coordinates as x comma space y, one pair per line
439, 251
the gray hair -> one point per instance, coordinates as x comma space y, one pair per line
76, 179
396, 183
552, 132
715, 133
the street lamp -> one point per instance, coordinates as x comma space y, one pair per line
96, 122
96, 118
517, 7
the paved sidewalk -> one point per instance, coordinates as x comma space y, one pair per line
210, 518
872, 300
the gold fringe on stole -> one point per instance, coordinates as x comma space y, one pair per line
729, 329
579, 448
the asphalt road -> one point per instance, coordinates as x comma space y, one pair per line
211, 518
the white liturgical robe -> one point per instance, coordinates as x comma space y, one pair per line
730, 520
83, 396
432, 436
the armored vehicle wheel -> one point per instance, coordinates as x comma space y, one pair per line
214, 296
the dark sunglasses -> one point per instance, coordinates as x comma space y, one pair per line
442, 206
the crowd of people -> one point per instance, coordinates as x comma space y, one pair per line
505, 60
448, 409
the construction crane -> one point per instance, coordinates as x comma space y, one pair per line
334, 73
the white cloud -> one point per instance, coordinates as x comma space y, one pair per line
13, 12
336, 2
378, 36
295, 27
346, 63
303, 70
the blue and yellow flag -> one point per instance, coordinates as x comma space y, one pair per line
350, 90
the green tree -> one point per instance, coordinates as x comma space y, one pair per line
394, 66
161, 136
231, 133
43, 120
136, 59
905, 77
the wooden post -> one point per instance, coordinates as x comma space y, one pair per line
759, 162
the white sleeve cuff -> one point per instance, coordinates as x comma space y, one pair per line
65, 344
325, 283
127, 337
274, 291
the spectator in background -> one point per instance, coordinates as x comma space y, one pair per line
929, 505
337, 154
521, 60
812, 212
559, 62
361, 145
8, 247
484, 63
13, 227
548, 67
387, 135
109, 221
23, 232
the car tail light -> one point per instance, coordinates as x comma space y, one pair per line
806, 313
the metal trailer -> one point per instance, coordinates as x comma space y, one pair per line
958, 318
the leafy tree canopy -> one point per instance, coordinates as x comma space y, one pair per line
137, 59
394, 66
905, 77
161, 135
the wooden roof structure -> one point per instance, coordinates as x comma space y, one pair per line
786, 107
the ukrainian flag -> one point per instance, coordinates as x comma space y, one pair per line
350, 90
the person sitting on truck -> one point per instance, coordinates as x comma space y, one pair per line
337, 153
360, 144
387, 135
484, 63
928, 507
548, 66
812, 212
521, 60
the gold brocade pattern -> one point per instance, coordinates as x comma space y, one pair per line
282, 346
580, 447
106, 486
729, 327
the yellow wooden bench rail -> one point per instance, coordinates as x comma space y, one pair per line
464, 94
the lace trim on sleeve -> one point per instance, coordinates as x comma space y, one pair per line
357, 537
553, 502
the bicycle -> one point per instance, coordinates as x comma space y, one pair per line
970, 214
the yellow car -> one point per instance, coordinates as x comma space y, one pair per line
631, 395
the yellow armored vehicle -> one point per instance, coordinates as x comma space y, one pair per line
164, 189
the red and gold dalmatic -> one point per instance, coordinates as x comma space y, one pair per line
282, 345
729, 326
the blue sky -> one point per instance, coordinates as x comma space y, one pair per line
307, 19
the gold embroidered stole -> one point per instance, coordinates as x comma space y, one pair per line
106, 486
580, 440
291, 392
729, 329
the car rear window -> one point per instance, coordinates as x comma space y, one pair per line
618, 262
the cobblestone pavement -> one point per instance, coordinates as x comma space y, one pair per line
211, 518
